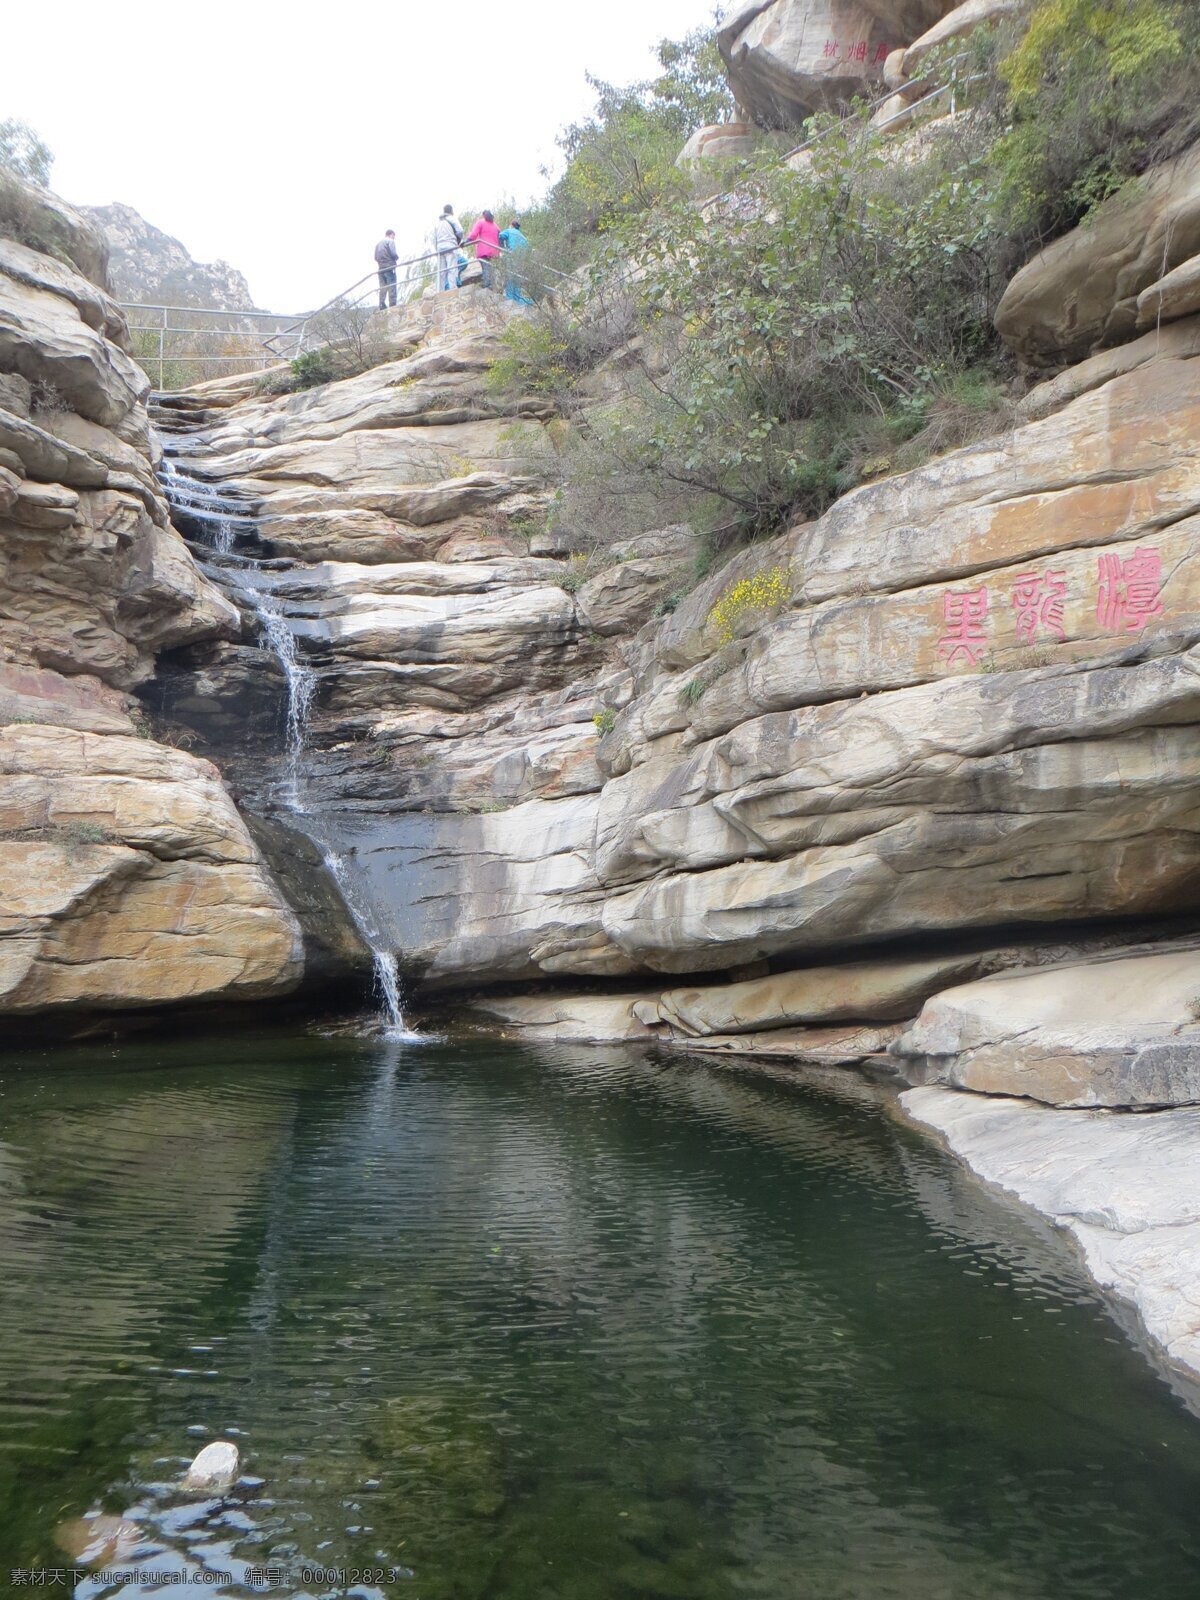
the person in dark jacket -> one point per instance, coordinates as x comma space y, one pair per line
386, 257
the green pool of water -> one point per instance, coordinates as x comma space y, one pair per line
580, 1325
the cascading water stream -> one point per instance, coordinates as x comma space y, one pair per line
217, 518
300, 680
387, 976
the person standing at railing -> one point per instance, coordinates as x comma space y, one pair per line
447, 236
513, 242
485, 236
386, 257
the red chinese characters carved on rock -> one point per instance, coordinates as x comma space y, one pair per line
1038, 599
831, 49
1128, 595
858, 52
964, 612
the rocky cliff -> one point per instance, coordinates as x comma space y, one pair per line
941, 736
149, 267
948, 731
911, 785
127, 877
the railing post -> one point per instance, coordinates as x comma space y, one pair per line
162, 339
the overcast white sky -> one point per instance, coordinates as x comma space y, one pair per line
286, 138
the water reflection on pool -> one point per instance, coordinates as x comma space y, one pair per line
552, 1325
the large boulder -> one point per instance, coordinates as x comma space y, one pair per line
41, 220
610, 1018
129, 880
90, 583
720, 141
97, 309
956, 24
1122, 1030
1175, 295
1082, 292
788, 58
876, 991
45, 338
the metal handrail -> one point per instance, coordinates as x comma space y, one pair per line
367, 286
293, 334
204, 311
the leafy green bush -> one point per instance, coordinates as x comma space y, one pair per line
22, 218
776, 333
739, 363
1092, 93
574, 575
620, 161
24, 152
605, 720
314, 368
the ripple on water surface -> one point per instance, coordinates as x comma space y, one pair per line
494, 1322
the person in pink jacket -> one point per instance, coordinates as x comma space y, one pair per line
485, 236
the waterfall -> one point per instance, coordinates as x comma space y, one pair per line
219, 516
216, 518
387, 986
300, 681
387, 977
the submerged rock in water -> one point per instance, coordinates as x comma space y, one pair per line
99, 1538
216, 1467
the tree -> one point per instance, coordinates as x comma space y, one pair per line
620, 161
692, 82
23, 152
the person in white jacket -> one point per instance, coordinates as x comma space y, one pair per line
447, 236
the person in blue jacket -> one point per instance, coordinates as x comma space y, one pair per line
513, 242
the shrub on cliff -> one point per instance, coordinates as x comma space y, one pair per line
25, 162
833, 319
1092, 94
783, 333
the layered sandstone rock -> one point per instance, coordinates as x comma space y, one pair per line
608, 1019
786, 59
1176, 294
957, 24
719, 141
392, 512
1121, 1030
128, 878
965, 700
65, 233
1085, 290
